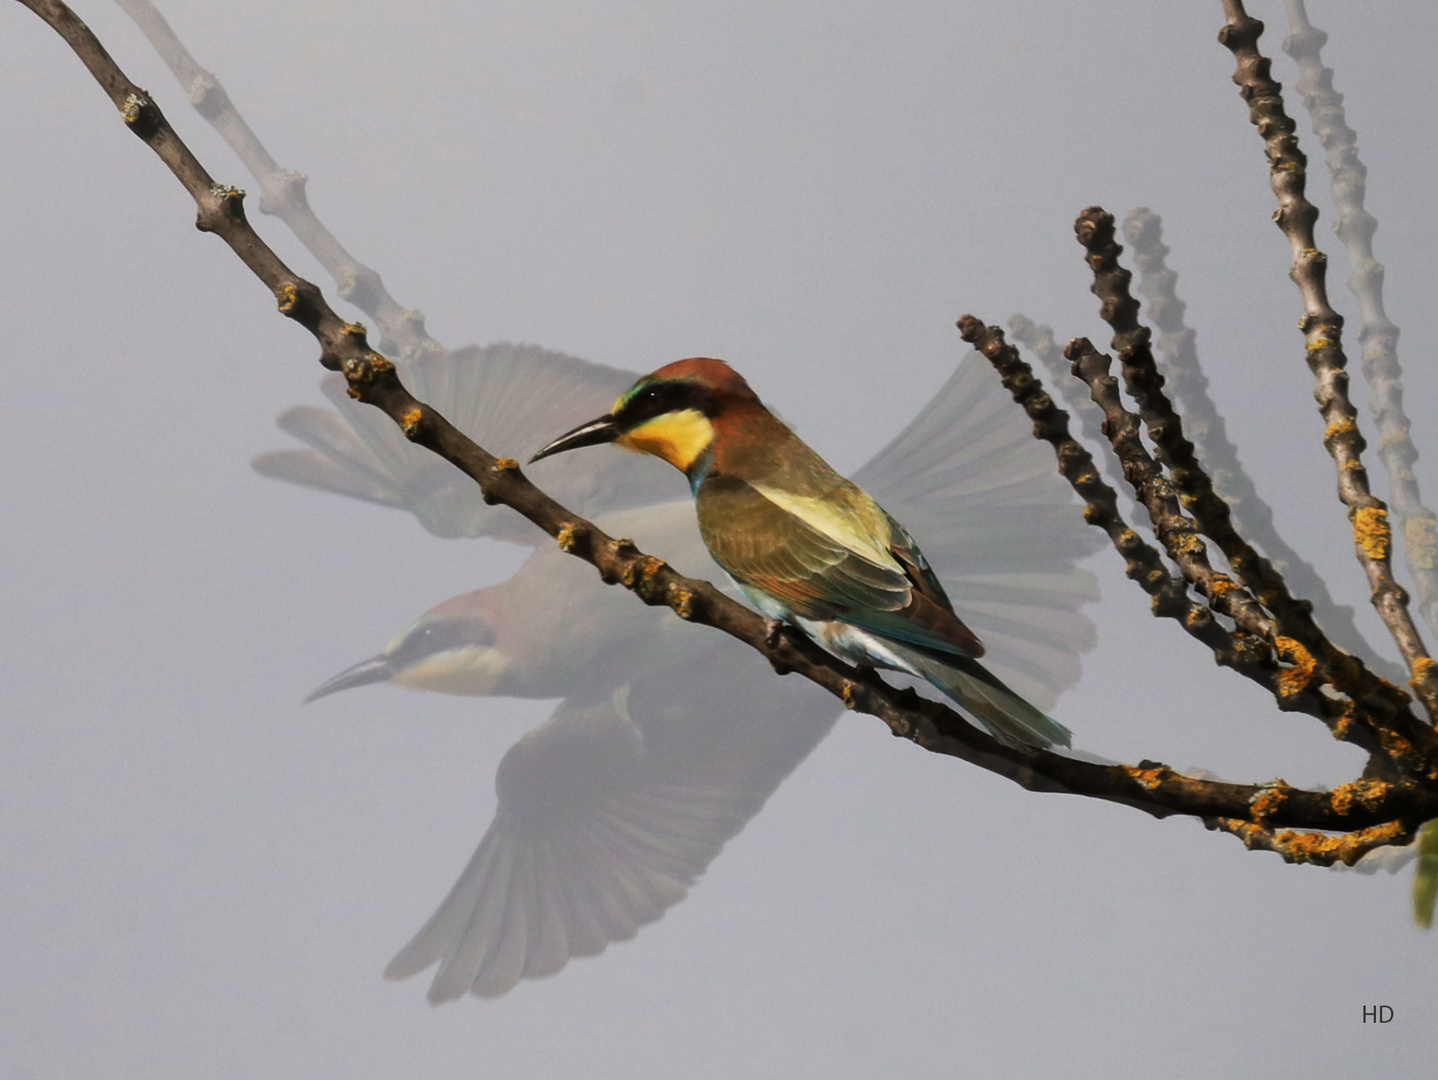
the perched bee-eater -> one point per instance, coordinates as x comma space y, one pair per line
808, 547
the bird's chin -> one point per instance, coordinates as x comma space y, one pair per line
468, 672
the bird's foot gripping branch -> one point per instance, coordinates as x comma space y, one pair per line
1248, 620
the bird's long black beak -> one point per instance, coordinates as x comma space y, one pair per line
598, 431
375, 669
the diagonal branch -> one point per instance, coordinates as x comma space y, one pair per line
282, 192
1377, 336
1039, 340
1322, 330
1151, 787
1174, 529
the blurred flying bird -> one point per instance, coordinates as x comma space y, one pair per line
553, 630
807, 547
609, 811
667, 739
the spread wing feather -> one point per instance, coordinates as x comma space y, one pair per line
1002, 530
607, 814
509, 399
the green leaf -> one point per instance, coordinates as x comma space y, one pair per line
1425, 875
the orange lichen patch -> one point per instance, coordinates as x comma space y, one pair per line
1342, 426
134, 105
356, 329
682, 601
1249, 648
639, 575
1220, 584
1326, 850
288, 296
1343, 725
1420, 542
1297, 678
850, 694
1185, 543
1267, 801
1148, 774
1360, 793
569, 536
409, 421
504, 464
1396, 745
1318, 342
1370, 531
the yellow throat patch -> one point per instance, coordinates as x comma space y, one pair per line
678, 437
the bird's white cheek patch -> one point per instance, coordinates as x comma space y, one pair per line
473, 671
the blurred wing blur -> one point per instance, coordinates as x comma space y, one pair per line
1003, 531
511, 399
608, 813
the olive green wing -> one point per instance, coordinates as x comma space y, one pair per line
803, 553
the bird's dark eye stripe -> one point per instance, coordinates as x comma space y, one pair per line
659, 398
442, 635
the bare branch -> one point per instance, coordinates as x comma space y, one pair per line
1143, 229
1293, 630
1377, 336
1174, 529
1039, 340
1254, 651
282, 192
1322, 330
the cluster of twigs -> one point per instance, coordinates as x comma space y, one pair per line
1273, 638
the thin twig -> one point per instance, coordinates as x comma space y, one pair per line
1154, 788
1174, 529
1322, 330
1179, 363
282, 193
1039, 340
1378, 336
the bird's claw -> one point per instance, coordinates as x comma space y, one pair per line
773, 631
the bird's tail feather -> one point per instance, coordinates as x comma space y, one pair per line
1003, 713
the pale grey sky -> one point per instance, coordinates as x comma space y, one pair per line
204, 878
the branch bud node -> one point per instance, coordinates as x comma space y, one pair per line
683, 602
570, 536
